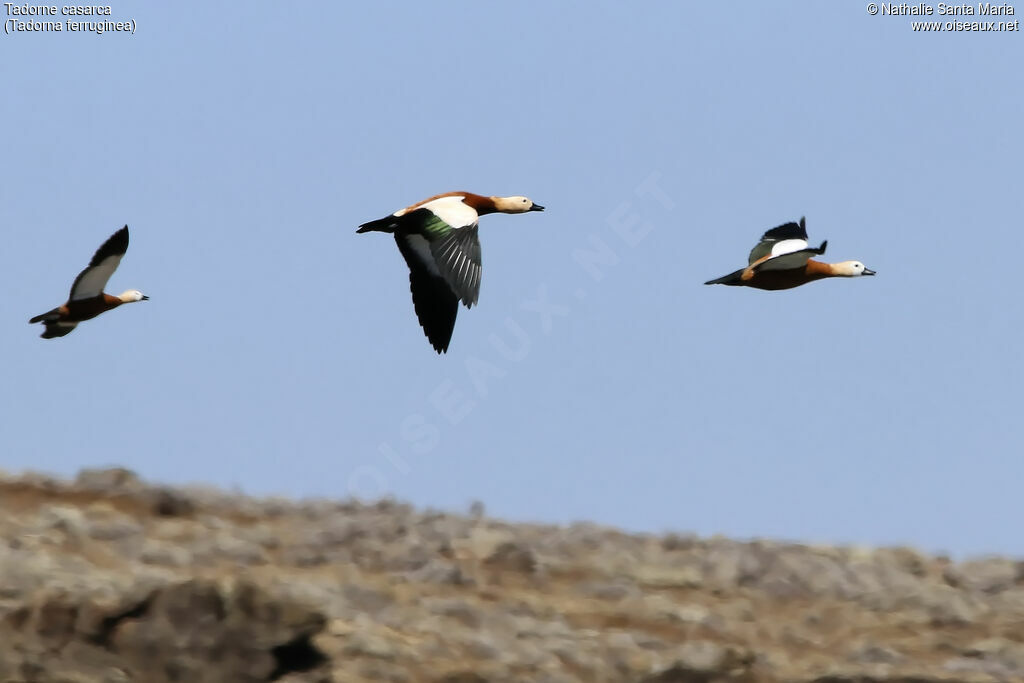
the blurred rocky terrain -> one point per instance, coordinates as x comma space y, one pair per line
110, 579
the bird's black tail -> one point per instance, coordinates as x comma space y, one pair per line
386, 224
48, 316
734, 278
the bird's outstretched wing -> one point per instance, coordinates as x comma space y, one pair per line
435, 303
91, 281
784, 239
789, 260
457, 254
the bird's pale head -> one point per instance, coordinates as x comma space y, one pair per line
515, 204
132, 295
851, 269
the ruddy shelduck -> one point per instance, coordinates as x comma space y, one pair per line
438, 238
782, 260
87, 299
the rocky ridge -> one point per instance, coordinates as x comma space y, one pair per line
108, 578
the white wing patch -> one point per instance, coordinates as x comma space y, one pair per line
452, 211
91, 281
788, 247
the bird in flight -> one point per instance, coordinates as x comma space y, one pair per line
438, 239
782, 260
87, 299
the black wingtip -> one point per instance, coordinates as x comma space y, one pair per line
821, 250
439, 339
56, 332
116, 243
787, 231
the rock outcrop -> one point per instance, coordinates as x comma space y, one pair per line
108, 578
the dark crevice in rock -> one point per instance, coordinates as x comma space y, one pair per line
682, 674
463, 677
105, 630
297, 655
168, 503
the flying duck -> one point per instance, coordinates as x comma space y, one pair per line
87, 299
438, 238
782, 260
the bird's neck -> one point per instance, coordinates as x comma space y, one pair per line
817, 269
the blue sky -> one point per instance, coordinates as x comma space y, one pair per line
598, 379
